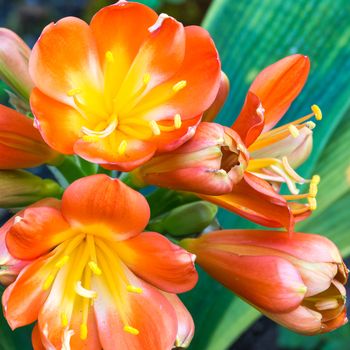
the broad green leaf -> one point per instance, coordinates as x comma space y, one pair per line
251, 35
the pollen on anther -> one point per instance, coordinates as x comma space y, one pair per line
94, 268
134, 289
155, 127
310, 124
312, 203
122, 147
179, 85
146, 78
131, 330
83, 331
293, 130
177, 121
109, 57
73, 92
316, 179
317, 111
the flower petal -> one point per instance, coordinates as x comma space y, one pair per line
58, 123
161, 263
250, 121
105, 202
149, 312
65, 58
36, 231
279, 84
36, 339
255, 199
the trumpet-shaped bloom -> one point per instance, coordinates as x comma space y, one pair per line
274, 153
21, 145
95, 280
211, 162
126, 86
298, 281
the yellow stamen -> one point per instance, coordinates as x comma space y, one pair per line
94, 268
177, 121
293, 130
48, 282
122, 147
109, 57
63, 261
88, 138
83, 292
131, 330
134, 289
317, 111
179, 85
312, 203
316, 179
155, 127
146, 78
83, 331
73, 92
64, 319
313, 190
311, 125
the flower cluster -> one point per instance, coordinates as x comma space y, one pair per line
137, 93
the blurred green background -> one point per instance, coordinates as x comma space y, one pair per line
251, 34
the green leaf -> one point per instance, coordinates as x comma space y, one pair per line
251, 35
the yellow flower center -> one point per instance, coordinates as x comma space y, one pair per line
123, 117
90, 256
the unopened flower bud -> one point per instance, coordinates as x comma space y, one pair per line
211, 162
14, 57
19, 188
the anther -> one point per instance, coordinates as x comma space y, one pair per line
73, 92
313, 190
293, 131
109, 57
83, 292
83, 331
179, 85
316, 179
317, 111
311, 125
177, 121
122, 147
17, 219
312, 203
134, 289
146, 78
64, 319
94, 268
155, 127
131, 330
48, 282
63, 261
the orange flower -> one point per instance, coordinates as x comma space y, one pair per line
96, 281
274, 153
298, 282
126, 86
21, 145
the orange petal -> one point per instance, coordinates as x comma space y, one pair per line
250, 121
36, 231
159, 262
65, 58
59, 124
149, 312
185, 328
200, 69
36, 339
279, 84
23, 299
101, 200
113, 32
21, 145
103, 152
254, 199
266, 281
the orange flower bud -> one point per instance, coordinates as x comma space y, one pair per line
211, 162
297, 282
14, 57
21, 145
219, 101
